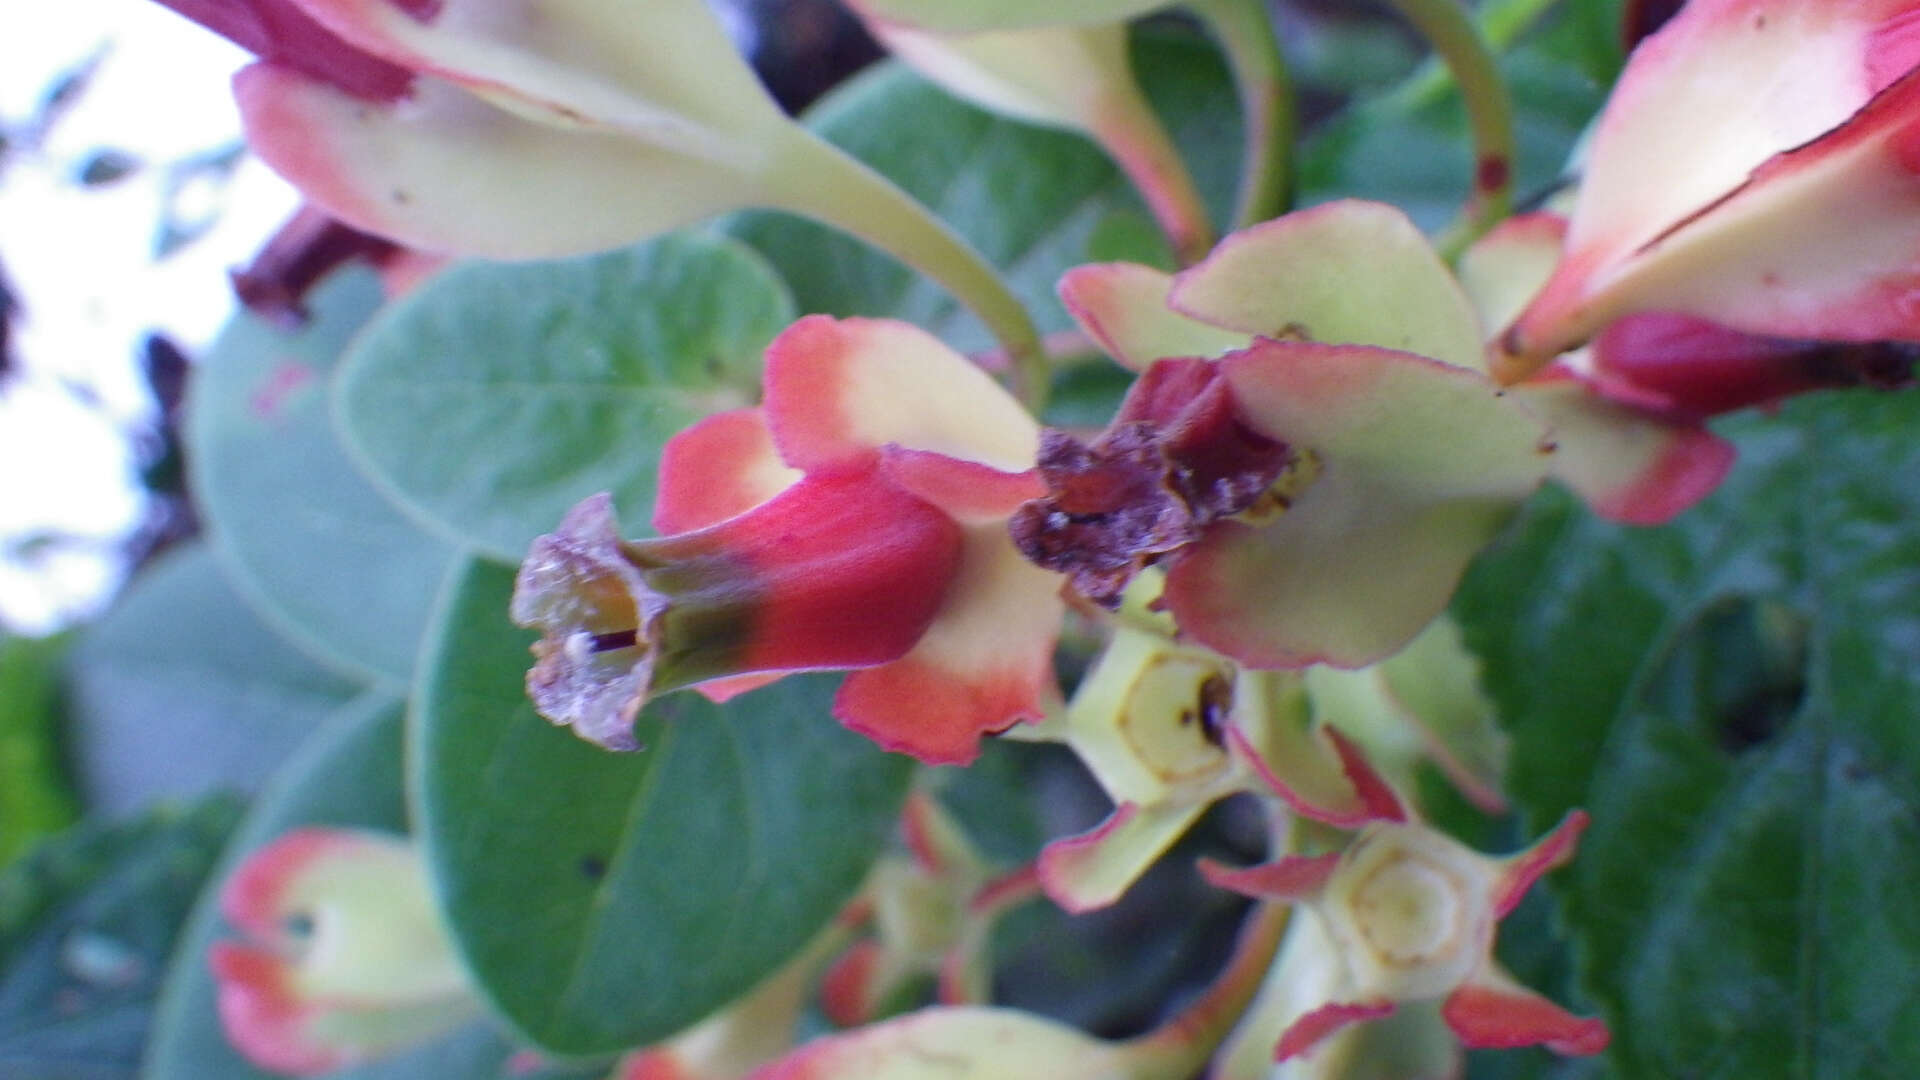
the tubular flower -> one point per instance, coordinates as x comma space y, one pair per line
344, 960
1756, 166
508, 130
856, 519
1655, 376
1169, 729
1409, 915
1319, 488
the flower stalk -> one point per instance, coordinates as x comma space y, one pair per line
1268, 117
1456, 38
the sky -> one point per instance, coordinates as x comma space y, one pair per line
82, 262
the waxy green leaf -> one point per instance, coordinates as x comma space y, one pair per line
608, 900
497, 395
1733, 697
321, 553
181, 690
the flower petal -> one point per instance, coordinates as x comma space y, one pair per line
1491, 1011
1421, 463
1307, 1031
1785, 208
838, 390
444, 171
724, 465
1343, 273
1626, 463
1124, 306
1094, 869
671, 77
948, 1041
984, 664
1296, 877
1505, 268
373, 927
1519, 872
1313, 768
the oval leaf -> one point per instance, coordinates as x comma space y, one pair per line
181, 689
311, 543
608, 900
498, 395
1733, 698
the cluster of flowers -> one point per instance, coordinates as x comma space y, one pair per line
1327, 425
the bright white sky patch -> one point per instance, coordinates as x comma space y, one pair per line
82, 263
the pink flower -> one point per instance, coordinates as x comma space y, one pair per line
855, 520
1407, 914
1757, 166
345, 959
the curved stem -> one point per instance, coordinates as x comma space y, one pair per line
1130, 132
1500, 22
1177, 1048
820, 181
1267, 114
1456, 38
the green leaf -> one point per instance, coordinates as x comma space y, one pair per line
607, 900
1733, 698
87, 922
349, 775
181, 689
1034, 201
322, 555
36, 796
498, 395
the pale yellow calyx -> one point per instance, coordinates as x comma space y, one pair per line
1413, 910
1149, 718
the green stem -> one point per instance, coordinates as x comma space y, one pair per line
1130, 132
1178, 1048
1457, 40
1268, 118
1501, 23
820, 181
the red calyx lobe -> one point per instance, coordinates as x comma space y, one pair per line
1175, 459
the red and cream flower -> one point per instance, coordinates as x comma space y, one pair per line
1319, 488
521, 129
1406, 914
855, 520
1758, 167
344, 958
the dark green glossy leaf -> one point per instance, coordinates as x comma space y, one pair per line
1034, 201
181, 689
311, 543
498, 395
1733, 698
36, 796
607, 900
87, 922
